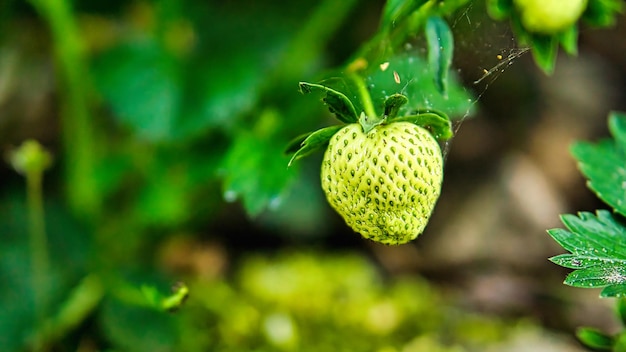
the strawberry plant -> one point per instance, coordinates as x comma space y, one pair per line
597, 242
381, 173
167, 122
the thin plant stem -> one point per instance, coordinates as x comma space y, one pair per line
78, 131
364, 94
40, 261
309, 42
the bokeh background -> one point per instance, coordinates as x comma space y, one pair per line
167, 121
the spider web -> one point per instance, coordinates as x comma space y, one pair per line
484, 50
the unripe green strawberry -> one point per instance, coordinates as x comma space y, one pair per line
549, 16
384, 183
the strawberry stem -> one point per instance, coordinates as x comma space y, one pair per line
368, 119
364, 94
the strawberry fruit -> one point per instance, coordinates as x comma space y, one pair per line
382, 174
549, 16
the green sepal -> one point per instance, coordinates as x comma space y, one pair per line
569, 40
440, 51
296, 143
393, 104
436, 121
368, 123
499, 9
594, 338
337, 102
314, 140
544, 49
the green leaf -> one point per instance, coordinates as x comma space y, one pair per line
255, 170
410, 75
314, 141
142, 86
614, 291
595, 339
602, 13
337, 102
610, 273
164, 206
598, 235
69, 250
573, 261
217, 94
440, 51
135, 328
393, 104
597, 244
603, 164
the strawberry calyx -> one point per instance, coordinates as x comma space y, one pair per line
436, 122
391, 107
393, 104
305, 144
368, 123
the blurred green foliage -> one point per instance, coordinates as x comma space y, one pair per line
171, 117
312, 301
168, 112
